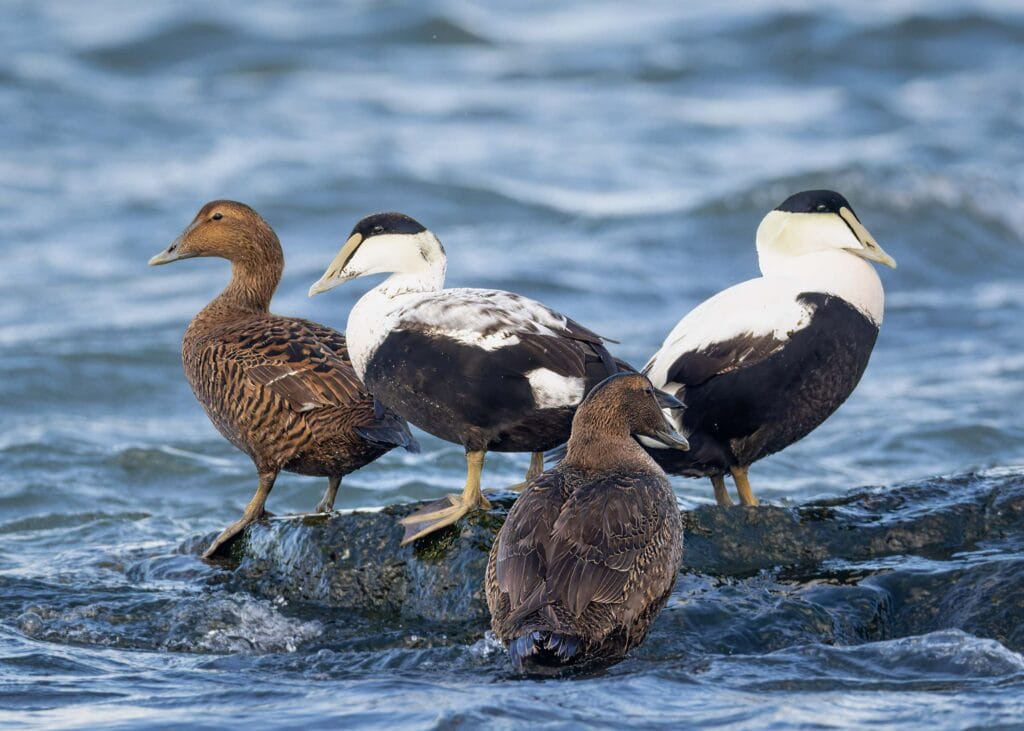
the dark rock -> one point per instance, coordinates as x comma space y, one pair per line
354, 561
872, 565
933, 518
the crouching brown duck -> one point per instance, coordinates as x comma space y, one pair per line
590, 551
281, 389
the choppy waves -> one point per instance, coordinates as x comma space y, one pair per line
612, 162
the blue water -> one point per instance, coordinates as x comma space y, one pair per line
609, 159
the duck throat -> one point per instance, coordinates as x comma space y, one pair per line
602, 443
839, 273
255, 274
251, 287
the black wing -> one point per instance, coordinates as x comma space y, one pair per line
695, 367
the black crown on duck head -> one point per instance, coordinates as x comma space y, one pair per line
815, 201
381, 224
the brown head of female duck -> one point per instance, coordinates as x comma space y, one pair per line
589, 553
281, 389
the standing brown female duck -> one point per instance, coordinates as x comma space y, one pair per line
589, 553
281, 389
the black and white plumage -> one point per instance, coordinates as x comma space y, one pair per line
763, 363
491, 370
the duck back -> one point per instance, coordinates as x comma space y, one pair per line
582, 566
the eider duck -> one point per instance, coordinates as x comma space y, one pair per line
486, 369
590, 551
763, 363
281, 389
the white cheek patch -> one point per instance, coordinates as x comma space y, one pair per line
385, 254
552, 391
785, 235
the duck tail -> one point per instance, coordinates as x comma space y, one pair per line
543, 649
389, 430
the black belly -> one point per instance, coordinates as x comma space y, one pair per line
471, 396
737, 418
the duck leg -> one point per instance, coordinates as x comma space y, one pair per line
536, 467
253, 511
739, 476
721, 495
448, 510
326, 505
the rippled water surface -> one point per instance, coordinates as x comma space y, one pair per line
611, 160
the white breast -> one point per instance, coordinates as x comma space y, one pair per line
369, 322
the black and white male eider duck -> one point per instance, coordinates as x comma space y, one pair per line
763, 363
486, 369
589, 552
280, 389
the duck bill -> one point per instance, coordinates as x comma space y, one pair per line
672, 439
667, 436
871, 250
171, 253
336, 273
668, 401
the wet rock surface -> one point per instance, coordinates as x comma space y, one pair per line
874, 565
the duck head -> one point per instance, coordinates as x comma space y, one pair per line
225, 229
384, 243
813, 221
629, 402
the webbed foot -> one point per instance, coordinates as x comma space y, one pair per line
439, 514
254, 511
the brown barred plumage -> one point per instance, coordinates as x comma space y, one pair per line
589, 553
280, 389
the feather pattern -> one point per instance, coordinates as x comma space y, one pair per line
483, 368
592, 558
482, 318
737, 327
283, 391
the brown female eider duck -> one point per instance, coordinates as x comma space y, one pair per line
486, 369
281, 389
590, 551
763, 363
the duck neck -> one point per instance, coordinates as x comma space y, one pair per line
835, 272
603, 443
255, 274
428, 279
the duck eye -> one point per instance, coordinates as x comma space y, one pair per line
822, 207
649, 391
378, 229
217, 216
